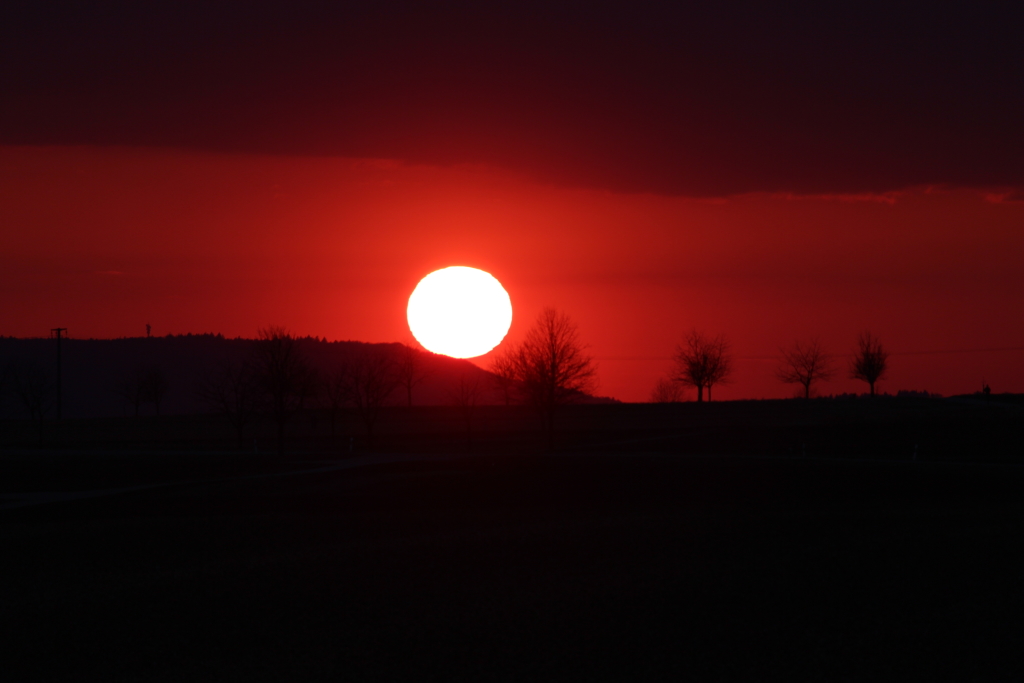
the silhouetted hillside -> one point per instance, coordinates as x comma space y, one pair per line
97, 372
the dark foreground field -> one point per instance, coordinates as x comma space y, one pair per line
572, 567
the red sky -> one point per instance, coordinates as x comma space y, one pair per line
103, 240
768, 171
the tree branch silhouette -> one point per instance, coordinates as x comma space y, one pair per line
233, 391
870, 361
667, 391
371, 381
702, 362
805, 364
552, 366
285, 375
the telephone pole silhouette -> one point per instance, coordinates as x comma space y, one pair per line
58, 331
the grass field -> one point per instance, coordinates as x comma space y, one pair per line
588, 566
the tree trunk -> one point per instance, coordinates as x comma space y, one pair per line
700, 393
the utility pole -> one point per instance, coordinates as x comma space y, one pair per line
58, 331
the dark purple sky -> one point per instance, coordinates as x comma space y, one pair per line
692, 100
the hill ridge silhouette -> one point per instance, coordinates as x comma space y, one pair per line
93, 368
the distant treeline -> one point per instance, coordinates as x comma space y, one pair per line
173, 374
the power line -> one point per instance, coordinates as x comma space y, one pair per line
928, 353
892, 353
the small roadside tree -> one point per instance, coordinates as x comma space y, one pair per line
553, 367
804, 364
870, 360
702, 362
133, 389
156, 386
667, 391
32, 384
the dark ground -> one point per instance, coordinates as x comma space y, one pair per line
501, 567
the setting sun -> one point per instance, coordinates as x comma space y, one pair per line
460, 312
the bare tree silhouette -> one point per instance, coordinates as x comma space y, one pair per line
805, 364
503, 371
35, 389
335, 393
5, 377
667, 391
702, 362
133, 388
409, 370
870, 360
467, 395
285, 375
552, 366
371, 381
233, 391
156, 386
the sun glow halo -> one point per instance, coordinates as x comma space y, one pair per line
460, 312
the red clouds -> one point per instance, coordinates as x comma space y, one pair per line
678, 100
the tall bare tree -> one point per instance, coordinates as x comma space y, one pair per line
409, 370
552, 366
702, 362
371, 381
503, 370
667, 391
233, 390
870, 360
804, 364
285, 375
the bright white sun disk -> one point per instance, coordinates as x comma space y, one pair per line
460, 312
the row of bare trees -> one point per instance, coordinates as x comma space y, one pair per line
278, 378
702, 362
807, 363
